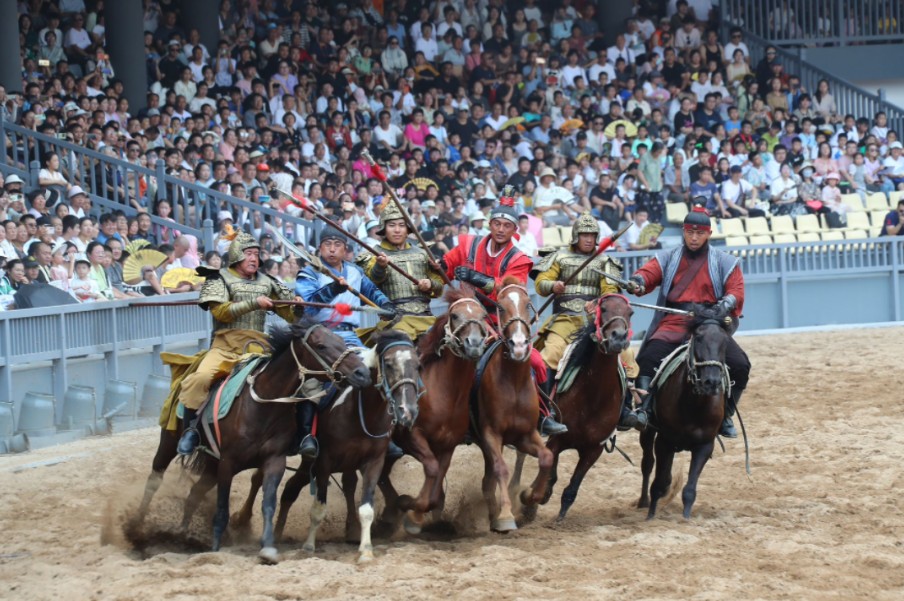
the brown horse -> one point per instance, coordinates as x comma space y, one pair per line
509, 407
689, 411
354, 435
448, 354
591, 406
260, 429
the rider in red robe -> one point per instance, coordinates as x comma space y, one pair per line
484, 262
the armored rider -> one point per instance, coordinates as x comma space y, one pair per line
568, 313
412, 302
694, 272
314, 286
484, 261
238, 297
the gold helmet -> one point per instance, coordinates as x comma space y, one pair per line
242, 242
389, 213
585, 224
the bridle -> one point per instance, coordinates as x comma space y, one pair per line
693, 365
388, 390
450, 336
516, 318
598, 335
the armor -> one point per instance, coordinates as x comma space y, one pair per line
584, 287
243, 295
585, 224
390, 213
400, 290
242, 242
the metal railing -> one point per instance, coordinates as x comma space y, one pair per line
113, 183
817, 22
849, 98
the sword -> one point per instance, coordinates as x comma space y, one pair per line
662, 309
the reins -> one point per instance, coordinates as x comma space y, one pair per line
598, 335
693, 365
387, 390
516, 318
450, 336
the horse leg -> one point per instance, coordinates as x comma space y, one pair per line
699, 456
371, 473
416, 508
496, 476
515, 482
586, 458
388, 522
438, 498
646, 466
200, 488
352, 524
166, 452
534, 446
221, 517
665, 454
553, 472
242, 518
318, 512
290, 493
273, 469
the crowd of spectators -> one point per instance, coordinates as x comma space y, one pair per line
458, 98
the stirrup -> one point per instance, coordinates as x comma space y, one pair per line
309, 447
628, 420
394, 451
728, 429
550, 427
188, 442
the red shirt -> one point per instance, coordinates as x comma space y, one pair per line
673, 328
518, 266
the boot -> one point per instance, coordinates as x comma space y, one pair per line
190, 437
394, 451
728, 429
644, 414
548, 425
304, 419
628, 418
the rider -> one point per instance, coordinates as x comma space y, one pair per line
314, 286
568, 314
692, 273
238, 296
412, 302
484, 261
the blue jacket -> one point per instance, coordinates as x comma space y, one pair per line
315, 287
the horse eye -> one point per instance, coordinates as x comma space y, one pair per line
321, 347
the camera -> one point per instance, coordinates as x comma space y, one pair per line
43, 62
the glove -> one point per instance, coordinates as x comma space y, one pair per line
636, 286
466, 274
390, 308
725, 306
336, 288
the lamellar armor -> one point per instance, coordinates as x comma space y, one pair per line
586, 284
242, 294
400, 290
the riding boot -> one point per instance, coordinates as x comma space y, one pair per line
308, 447
644, 414
394, 451
728, 429
628, 418
190, 437
548, 425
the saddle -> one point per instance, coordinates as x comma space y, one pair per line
475, 387
669, 365
570, 368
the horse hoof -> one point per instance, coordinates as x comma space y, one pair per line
643, 504
366, 557
239, 521
307, 548
529, 513
268, 555
504, 525
411, 527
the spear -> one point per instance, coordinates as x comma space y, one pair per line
340, 308
606, 243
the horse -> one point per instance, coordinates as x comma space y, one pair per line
260, 429
689, 410
448, 355
591, 406
509, 406
354, 435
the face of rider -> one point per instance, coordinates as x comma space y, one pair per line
249, 265
396, 232
501, 231
333, 252
586, 243
694, 239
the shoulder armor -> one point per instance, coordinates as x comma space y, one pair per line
213, 291
363, 259
280, 290
614, 261
544, 265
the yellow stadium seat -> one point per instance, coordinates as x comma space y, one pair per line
877, 201
757, 226
875, 232
736, 241
853, 201
855, 234
808, 237
551, 236
833, 235
732, 227
675, 212
877, 218
857, 221
895, 197
782, 224
784, 238
807, 224
565, 234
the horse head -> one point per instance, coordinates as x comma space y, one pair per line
465, 330
514, 312
397, 376
321, 353
706, 369
612, 323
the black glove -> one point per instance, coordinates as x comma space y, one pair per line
336, 288
725, 306
466, 274
636, 286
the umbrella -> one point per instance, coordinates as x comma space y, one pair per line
630, 128
511, 122
176, 277
146, 257
30, 296
572, 124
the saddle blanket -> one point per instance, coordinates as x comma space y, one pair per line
566, 376
231, 387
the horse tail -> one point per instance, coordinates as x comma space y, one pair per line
679, 466
196, 463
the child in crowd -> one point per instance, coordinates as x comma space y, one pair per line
82, 285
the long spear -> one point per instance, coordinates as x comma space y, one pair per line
605, 244
341, 308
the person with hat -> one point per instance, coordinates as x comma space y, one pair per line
551, 201
694, 272
238, 297
314, 286
411, 302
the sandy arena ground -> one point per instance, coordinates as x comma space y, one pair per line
820, 519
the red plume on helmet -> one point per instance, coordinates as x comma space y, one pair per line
507, 198
505, 209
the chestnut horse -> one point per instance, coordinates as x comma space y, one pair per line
591, 406
448, 353
689, 410
354, 434
260, 429
509, 407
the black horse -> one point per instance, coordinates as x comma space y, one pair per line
690, 406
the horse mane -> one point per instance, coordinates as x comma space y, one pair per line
509, 280
583, 344
387, 337
708, 313
432, 340
282, 336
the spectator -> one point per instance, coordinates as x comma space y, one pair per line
83, 285
893, 224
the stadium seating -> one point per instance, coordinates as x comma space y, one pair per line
736, 241
858, 221
782, 224
675, 212
853, 201
808, 224
789, 238
551, 236
757, 226
895, 197
877, 202
732, 227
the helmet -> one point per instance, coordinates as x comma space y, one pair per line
390, 212
585, 224
697, 218
242, 242
506, 207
